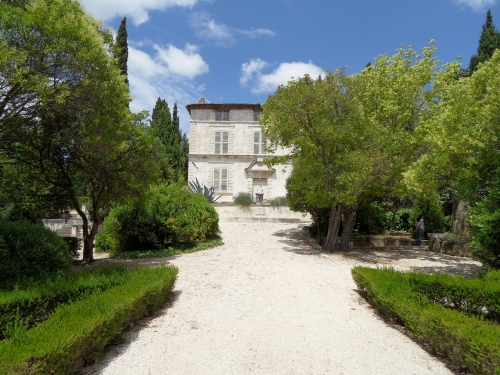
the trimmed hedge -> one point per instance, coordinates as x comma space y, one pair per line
76, 334
465, 342
35, 303
475, 297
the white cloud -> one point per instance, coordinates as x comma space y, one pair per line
160, 75
476, 5
208, 29
252, 74
186, 63
250, 69
137, 10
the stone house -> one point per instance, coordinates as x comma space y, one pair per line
227, 151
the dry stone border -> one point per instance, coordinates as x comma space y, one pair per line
266, 302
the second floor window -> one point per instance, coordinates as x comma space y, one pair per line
256, 115
259, 143
220, 179
222, 116
221, 142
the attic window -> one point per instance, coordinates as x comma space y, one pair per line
222, 116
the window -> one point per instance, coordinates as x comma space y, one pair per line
221, 142
222, 116
259, 143
256, 115
220, 179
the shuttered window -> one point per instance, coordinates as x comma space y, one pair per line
222, 116
221, 142
259, 143
220, 179
256, 115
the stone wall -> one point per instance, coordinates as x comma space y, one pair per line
229, 212
442, 243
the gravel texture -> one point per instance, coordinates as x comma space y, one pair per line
266, 302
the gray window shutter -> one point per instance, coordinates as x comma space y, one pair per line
225, 116
223, 179
217, 142
256, 142
217, 179
225, 142
264, 143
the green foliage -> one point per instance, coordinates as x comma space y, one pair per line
474, 297
463, 341
166, 127
243, 198
34, 302
208, 193
403, 221
170, 215
74, 244
30, 251
170, 251
77, 333
278, 201
121, 48
484, 226
488, 43
430, 207
371, 219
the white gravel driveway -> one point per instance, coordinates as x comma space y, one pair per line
266, 303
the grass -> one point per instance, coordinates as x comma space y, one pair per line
180, 249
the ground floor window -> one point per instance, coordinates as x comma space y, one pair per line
220, 179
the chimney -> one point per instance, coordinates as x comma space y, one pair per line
201, 101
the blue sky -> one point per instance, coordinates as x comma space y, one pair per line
234, 51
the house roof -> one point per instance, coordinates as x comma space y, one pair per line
224, 106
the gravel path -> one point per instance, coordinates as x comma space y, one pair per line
267, 303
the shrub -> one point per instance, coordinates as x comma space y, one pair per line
170, 215
243, 198
370, 219
433, 214
278, 201
402, 220
463, 341
484, 226
30, 251
74, 244
77, 333
34, 302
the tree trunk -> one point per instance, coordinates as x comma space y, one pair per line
318, 229
392, 222
349, 224
333, 227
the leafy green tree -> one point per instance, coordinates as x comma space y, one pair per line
121, 48
63, 109
489, 41
360, 128
462, 144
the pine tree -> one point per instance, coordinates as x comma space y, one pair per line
121, 48
488, 43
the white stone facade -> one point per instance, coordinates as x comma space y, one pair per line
227, 151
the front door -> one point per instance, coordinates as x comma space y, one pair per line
260, 188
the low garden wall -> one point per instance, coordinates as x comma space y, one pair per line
230, 212
443, 243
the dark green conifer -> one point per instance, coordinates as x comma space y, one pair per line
166, 127
488, 43
121, 48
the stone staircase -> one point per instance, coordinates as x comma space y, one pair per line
68, 224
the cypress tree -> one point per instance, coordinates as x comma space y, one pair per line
185, 150
121, 48
166, 127
488, 43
